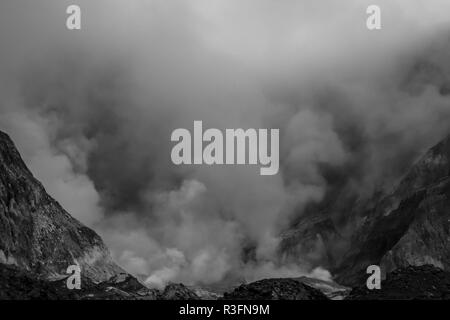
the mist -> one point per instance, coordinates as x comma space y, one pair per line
92, 113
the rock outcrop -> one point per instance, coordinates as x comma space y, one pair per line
36, 233
275, 289
411, 283
410, 226
178, 291
19, 284
311, 241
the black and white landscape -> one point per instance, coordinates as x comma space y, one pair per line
87, 179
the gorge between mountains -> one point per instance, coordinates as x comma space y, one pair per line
406, 231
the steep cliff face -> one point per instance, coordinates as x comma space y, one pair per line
312, 240
408, 226
321, 236
36, 233
411, 226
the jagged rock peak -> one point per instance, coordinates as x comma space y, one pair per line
37, 234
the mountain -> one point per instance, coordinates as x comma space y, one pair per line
39, 240
408, 227
37, 234
407, 230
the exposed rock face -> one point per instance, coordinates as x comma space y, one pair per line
419, 283
310, 241
321, 236
178, 291
330, 289
19, 284
428, 236
275, 289
36, 233
126, 287
411, 226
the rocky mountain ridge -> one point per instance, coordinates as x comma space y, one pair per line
410, 226
37, 234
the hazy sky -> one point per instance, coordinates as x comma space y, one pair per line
92, 112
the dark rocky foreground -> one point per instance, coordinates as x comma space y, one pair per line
275, 289
418, 283
407, 224
17, 284
410, 283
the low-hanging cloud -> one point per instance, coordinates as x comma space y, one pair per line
93, 110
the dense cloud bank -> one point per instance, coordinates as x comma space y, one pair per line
92, 112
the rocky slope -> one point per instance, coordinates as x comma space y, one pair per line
411, 283
275, 289
311, 241
39, 240
37, 234
330, 289
18, 284
411, 226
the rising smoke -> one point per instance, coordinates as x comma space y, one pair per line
92, 112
